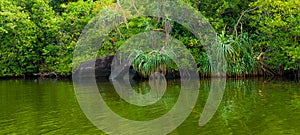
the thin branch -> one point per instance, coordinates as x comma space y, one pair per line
239, 21
133, 4
159, 29
119, 31
124, 15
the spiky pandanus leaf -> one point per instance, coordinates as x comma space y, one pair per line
152, 61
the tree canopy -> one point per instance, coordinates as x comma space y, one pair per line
39, 36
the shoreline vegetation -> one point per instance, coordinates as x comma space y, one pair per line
258, 38
258, 74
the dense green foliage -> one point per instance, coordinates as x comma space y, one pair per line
37, 39
277, 25
39, 36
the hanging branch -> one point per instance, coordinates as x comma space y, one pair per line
168, 29
264, 67
267, 69
239, 21
123, 13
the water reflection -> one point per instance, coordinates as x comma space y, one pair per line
248, 107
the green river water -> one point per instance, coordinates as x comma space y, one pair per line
252, 106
